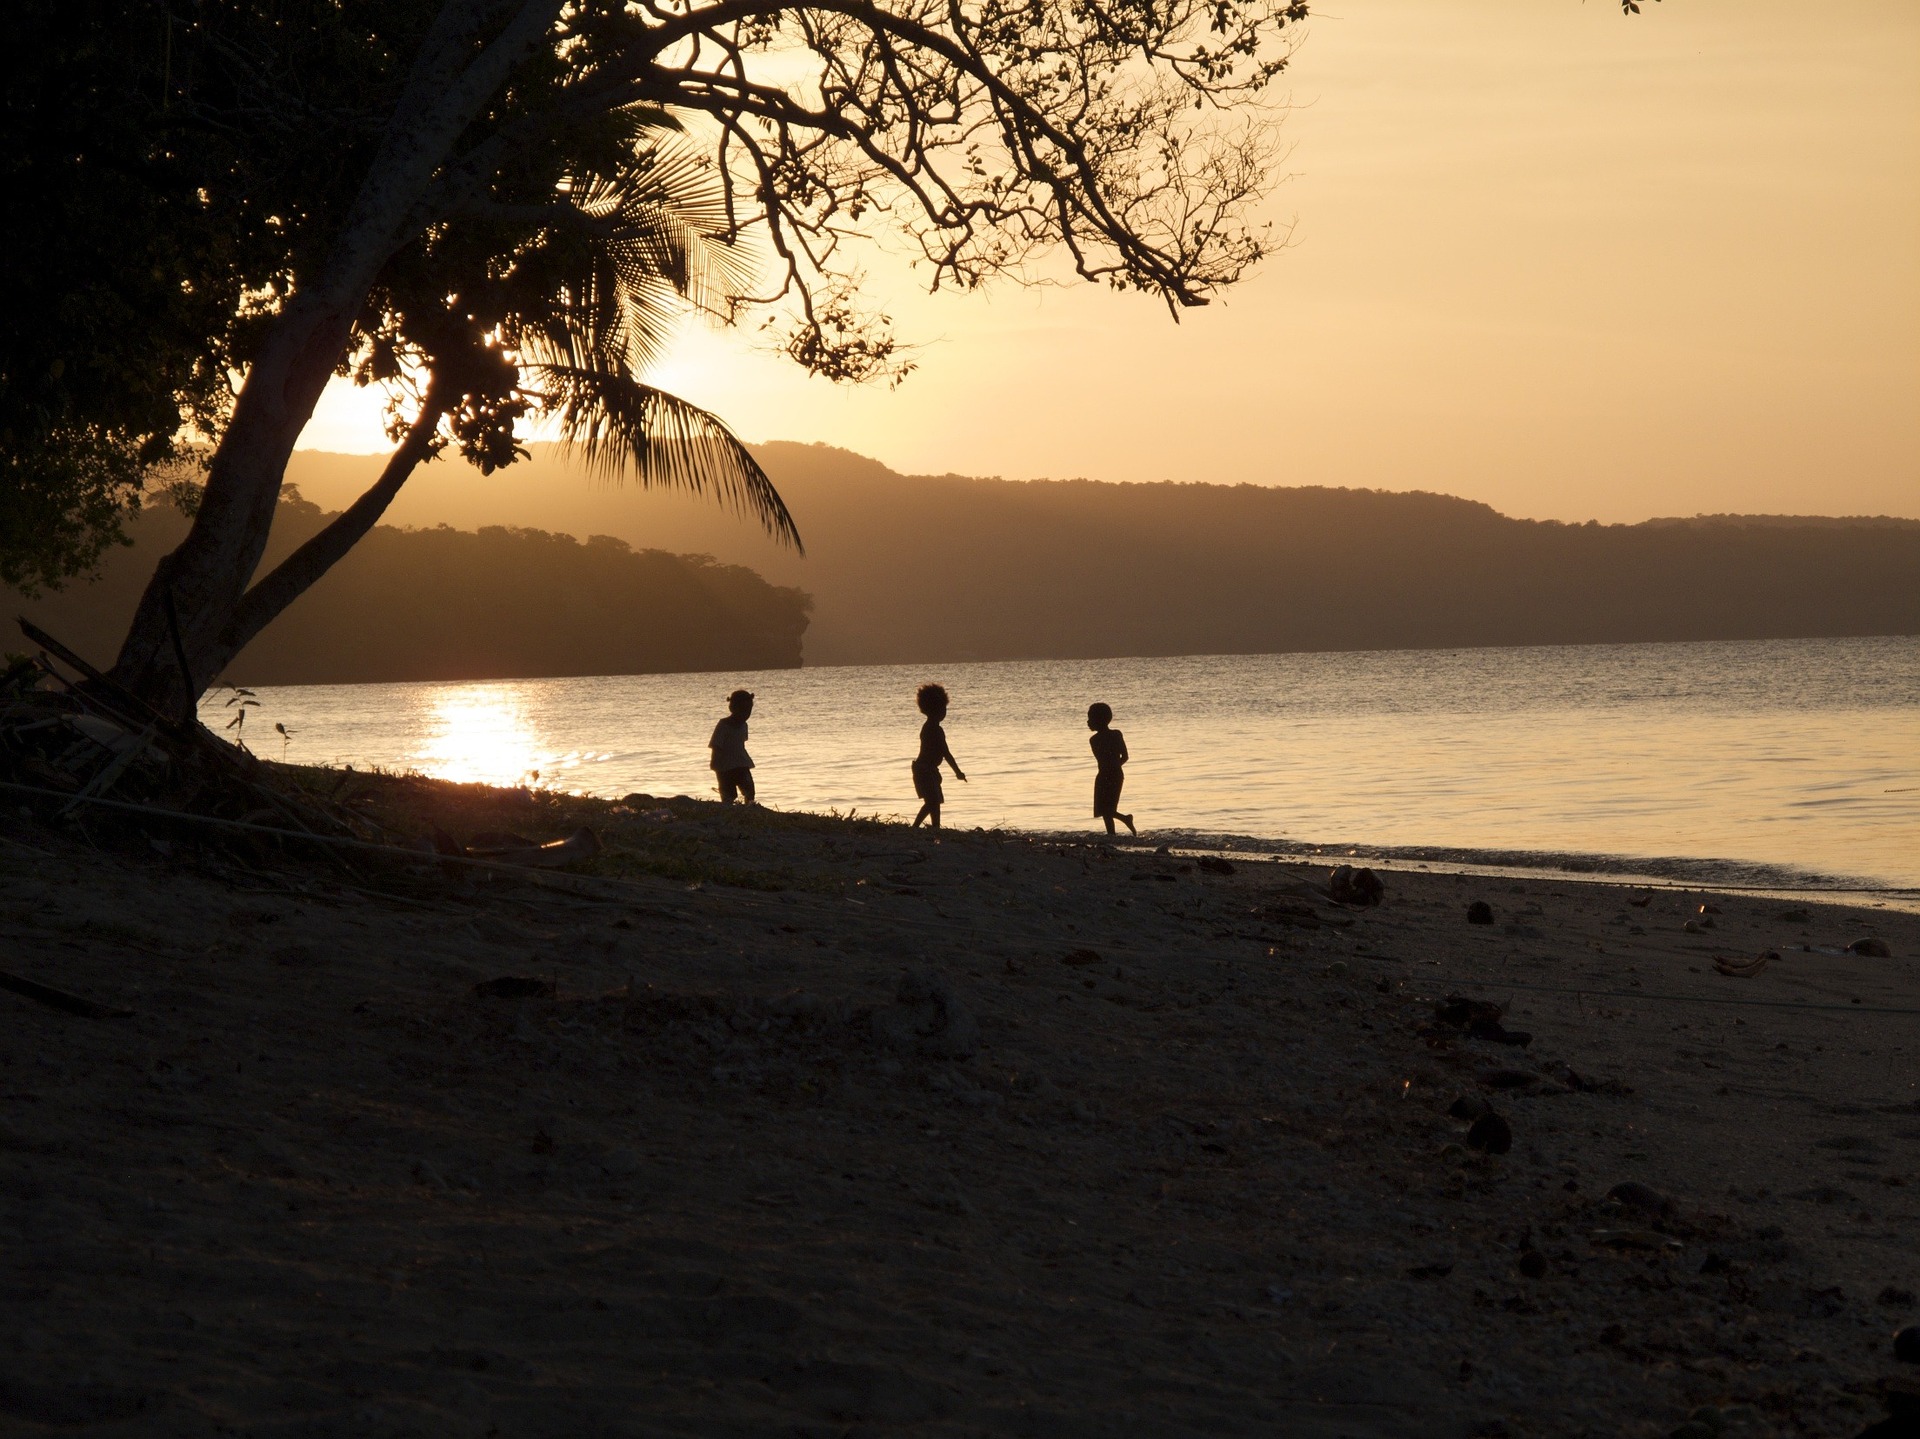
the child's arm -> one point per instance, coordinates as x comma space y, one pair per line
1123, 747
958, 773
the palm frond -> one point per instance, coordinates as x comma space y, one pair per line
623, 429
668, 243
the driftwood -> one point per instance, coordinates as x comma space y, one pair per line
127, 745
59, 999
583, 843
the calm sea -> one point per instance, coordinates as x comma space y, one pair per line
1778, 763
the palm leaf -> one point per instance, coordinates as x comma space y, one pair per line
623, 429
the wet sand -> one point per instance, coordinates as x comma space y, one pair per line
828, 1129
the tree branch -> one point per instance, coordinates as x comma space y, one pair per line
291, 578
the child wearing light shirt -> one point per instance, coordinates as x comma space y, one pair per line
731, 763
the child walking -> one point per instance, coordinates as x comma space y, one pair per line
731, 763
932, 702
1110, 753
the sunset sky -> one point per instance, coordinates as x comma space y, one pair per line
1574, 264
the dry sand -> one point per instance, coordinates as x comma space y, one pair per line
725, 1182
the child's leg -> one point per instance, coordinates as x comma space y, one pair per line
1125, 819
933, 814
925, 809
746, 786
726, 785
1109, 819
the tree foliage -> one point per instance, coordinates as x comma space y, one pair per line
169, 168
495, 208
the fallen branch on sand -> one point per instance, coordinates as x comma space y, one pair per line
59, 999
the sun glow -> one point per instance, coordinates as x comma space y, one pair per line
482, 734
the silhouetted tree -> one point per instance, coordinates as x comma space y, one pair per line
503, 198
132, 243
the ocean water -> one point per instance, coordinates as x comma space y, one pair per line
1779, 764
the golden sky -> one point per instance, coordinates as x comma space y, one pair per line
1574, 264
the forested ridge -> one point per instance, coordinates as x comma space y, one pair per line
927, 568
437, 603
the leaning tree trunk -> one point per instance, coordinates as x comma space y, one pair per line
297, 573
179, 640
166, 658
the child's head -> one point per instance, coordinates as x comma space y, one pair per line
1099, 716
740, 704
932, 700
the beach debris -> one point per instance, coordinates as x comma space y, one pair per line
1213, 864
1460, 1011
1708, 909
1490, 1134
1480, 1019
1744, 968
515, 986
1559, 1069
1347, 885
927, 1016
1469, 1107
503, 848
1479, 912
1793, 916
1635, 1239
1493, 1032
1698, 926
1643, 1198
1642, 902
1533, 1264
59, 998
1080, 957
1870, 948
1902, 1398
1906, 1345
1901, 1424
1895, 1298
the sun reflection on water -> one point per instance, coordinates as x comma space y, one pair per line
482, 734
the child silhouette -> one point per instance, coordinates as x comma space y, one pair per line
732, 765
932, 702
1110, 753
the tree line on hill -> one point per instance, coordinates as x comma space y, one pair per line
931, 568
444, 604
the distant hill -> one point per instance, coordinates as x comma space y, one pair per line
446, 604
1793, 522
929, 568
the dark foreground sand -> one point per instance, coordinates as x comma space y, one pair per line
726, 1182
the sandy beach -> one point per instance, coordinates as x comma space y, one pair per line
808, 1126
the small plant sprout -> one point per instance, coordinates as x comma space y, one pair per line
286, 738
240, 701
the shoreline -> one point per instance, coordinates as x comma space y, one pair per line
1671, 873
842, 1128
